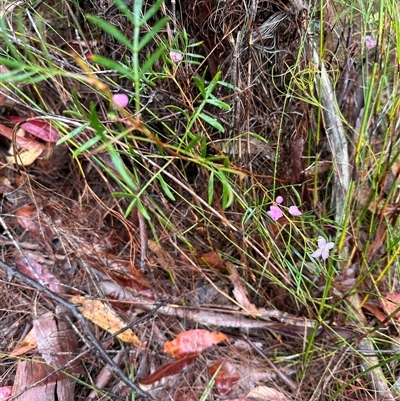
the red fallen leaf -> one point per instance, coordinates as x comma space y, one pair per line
391, 303
35, 268
40, 129
5, 393
226, 377
22, 142
193, 341
169, 369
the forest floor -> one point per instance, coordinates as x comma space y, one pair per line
199, 200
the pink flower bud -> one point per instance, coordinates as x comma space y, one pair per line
120, 100
175, 56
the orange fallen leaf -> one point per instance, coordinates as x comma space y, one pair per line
169, 369
103, 316
226, 377
27, 344
192, 341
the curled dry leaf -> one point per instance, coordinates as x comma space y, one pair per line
40, 129
192, 341
103, 316
226, 377
169, 369
240, 292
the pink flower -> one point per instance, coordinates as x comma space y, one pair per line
294, 211
275, 212
370, 42
120, 100
323, 248
176, 57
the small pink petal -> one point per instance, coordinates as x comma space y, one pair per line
176, 57
294, 211
120, 100
325, 254
321, 242
275, 213
317, 253
329, 245
279, 199
370, 42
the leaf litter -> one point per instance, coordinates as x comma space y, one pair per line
141, 290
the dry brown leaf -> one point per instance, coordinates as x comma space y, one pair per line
193, 341
211, 260
240, 292
267, 393
103, 316
376, 311
27, 344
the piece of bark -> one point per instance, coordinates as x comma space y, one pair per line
42, 378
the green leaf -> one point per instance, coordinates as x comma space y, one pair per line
125, 10
113, 65
111, 30
219, 103
152, 10
85, 146
154, 31
151, 60
212, 121
74, 132
210, 189
142, 209
121, 168
200, 85
165, 187
211, 86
